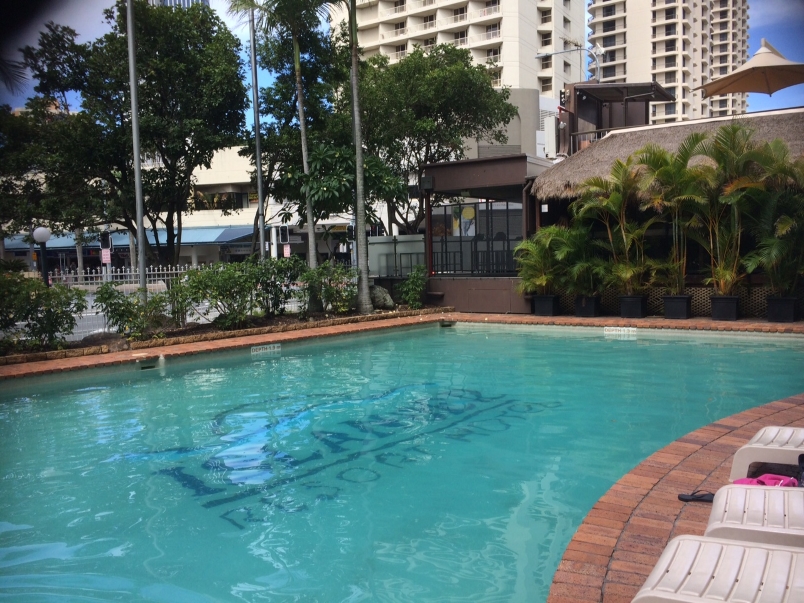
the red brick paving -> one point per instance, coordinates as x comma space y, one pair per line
622, 536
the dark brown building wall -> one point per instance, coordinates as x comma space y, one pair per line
495, 295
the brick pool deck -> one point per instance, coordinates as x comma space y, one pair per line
622, 536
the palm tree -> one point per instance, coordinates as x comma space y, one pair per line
672, 188
778, 223
736, 170
364, 305
609, 201
295, 16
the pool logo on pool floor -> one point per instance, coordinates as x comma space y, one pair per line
389, 437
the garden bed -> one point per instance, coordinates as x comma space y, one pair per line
112, 342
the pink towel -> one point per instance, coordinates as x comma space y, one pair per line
768, 480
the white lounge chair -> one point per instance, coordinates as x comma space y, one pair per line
758, 514
770, 445
697, 568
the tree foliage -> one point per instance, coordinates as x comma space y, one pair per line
191, 100
423, 109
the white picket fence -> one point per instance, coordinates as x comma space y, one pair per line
157, 278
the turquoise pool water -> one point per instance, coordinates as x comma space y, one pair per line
433, 464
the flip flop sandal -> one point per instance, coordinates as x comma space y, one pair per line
697, 496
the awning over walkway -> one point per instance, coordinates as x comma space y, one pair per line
189, 237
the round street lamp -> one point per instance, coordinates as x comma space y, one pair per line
42, 235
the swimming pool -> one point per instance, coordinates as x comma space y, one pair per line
429, 464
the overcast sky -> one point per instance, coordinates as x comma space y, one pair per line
780, 21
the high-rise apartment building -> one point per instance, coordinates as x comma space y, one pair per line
507, 33
680, 44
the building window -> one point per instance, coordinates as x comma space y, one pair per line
547, 62
609, 71
609, 56
724, 103
460, 38
670, 61
493, 54
609, 25
670, 30
609, 11
547, 39
670, 78
671, 91
609, 41
670, 109
670, 14
401, 51
546, 84
429, 22
399, 28
399, 6
459, 14
546, 16
496, 78
670, 46
492, 3
567, 69
493, 31
429, 42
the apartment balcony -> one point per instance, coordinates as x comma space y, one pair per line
367, 3
395, 57
488, 39
664, 52
490, 13
394, 34
423, 30
544, 27
460, 42
416, 6
392, 12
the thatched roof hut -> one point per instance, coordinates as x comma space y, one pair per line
561, 181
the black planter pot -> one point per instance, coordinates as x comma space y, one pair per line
544, 305
677, 307
587, 307
724, 307
782, 309
633, 306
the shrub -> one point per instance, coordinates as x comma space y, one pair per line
334, 284
31, 311
128, 315
412, 289
274, 280
228, 288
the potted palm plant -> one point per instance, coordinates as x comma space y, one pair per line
672, 189
539, 270
582, 269
779, 230
609, 201
727, 186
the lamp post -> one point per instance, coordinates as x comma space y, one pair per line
42, 235
595, 53
258, 153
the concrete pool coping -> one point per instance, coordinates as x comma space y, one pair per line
620, 539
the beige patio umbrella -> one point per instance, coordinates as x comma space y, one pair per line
767, 71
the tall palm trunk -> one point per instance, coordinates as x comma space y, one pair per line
312, 260
364, 305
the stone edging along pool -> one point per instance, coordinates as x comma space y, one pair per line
214, 336
623, 535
